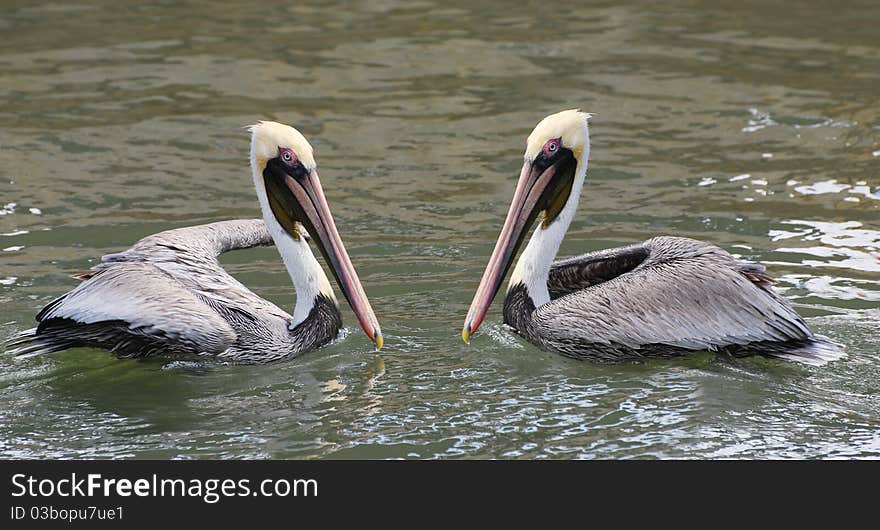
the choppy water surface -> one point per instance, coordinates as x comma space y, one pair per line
750, 125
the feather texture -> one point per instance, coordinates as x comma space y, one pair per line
667, 296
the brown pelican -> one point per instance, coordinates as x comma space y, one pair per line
665, 297
169, 294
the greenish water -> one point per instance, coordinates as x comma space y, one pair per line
754, 126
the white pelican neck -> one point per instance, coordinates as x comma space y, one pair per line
533, 267
305, 272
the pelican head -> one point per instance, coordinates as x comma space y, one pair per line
555, 157
286, 178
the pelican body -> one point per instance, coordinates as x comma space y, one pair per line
668, 296
169, 294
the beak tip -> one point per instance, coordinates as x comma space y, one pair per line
466, 334
380, 341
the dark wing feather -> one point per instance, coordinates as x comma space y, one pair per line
579, 272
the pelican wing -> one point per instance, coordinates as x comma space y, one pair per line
204, 242
167, 292
683, 293
140, 301
190, 256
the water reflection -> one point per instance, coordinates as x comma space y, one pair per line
843, 245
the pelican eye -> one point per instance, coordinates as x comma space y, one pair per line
288, 156
551, 147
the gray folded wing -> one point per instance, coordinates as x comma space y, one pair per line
681, 293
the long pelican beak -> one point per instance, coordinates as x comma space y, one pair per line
543, 187
301, 198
